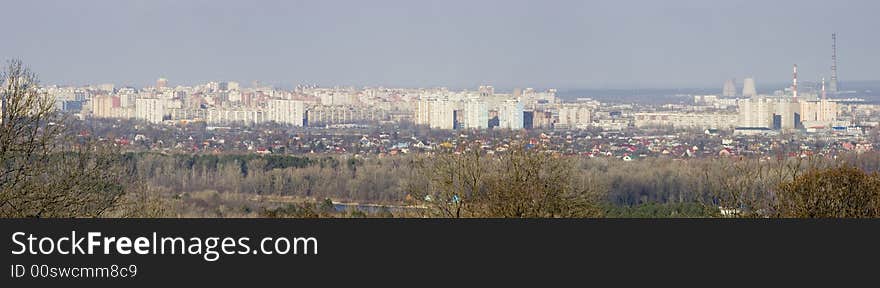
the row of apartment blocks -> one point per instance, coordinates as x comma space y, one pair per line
157, 110
283, 111
220, 103
696, 120
481, 112
509, 114
754, 114
486, 109
465, 110
224, 103
783, 113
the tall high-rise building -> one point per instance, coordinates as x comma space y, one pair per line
510, 115
573, 116
476, 113
150, 109
749, 89
442, 114
127, 97
729, 89
102, 106
788, 114
423, 111
773, 113
290, 112
756, 113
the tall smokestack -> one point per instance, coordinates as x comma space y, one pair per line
794, 89
823, 88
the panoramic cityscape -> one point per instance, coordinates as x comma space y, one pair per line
809, 121
408, 142
356, 119
420, 120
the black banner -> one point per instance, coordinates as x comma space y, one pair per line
413, 252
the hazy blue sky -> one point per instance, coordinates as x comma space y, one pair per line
564, 44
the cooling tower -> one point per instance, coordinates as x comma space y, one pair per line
729, 89
749, 90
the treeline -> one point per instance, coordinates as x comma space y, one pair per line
338, 178
670, 186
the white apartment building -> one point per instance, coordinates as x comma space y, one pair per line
318, 115
774, 113
818, 113
442, 114
573, 116
423, 111
510, 115
438, 113
476, 114
717, 120
102, 106
290, 112
150, 109
230, 116
756, 113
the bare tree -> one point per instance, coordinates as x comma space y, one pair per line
521, 183
450, 183
838, 192
45, 171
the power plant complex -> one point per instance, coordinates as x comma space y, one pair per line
787, 111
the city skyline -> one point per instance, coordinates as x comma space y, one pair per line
455, 44
179, 137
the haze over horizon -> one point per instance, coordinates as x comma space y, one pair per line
459, 44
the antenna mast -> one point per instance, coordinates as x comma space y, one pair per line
833, 85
